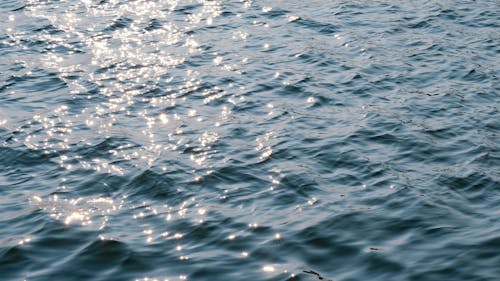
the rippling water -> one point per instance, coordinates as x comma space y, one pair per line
249, 140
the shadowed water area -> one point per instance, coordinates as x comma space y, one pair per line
249, 140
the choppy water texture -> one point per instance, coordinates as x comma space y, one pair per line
249, 140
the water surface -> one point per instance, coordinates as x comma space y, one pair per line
249, 140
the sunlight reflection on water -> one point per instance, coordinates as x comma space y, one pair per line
246, 140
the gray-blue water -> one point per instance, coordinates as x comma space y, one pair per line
249, 140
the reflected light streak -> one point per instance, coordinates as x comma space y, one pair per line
268, 268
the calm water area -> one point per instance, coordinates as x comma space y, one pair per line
243, 140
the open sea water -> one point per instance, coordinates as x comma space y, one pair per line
249, 140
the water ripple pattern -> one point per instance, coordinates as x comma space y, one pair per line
249, 140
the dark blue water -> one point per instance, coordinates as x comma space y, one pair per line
249, 140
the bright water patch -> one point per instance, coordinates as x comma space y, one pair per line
249, 140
